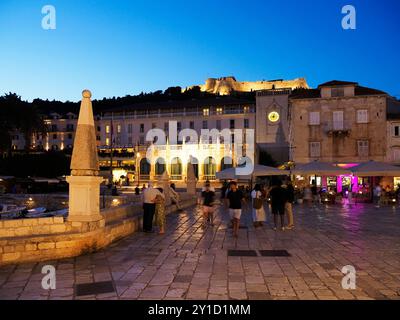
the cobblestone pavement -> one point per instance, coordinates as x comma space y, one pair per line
190, 263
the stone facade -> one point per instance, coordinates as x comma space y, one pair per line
346, 128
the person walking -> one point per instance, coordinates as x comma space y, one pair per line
377, 192
160, 211
307, 195
289, 205
258, 206
208, 196
235, 198
149, 207
315, 195
278, 200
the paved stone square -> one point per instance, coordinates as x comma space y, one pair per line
191, 263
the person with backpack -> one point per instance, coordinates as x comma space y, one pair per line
258, 211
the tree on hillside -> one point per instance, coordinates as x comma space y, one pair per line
18, 115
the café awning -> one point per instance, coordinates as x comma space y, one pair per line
375, 169
319, 169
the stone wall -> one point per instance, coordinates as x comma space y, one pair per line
225, 85
28, 240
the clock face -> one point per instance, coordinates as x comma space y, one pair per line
273, 116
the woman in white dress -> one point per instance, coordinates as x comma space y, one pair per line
258, 211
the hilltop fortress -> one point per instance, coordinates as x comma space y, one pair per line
225, 85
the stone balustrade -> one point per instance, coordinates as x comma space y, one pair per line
40, 239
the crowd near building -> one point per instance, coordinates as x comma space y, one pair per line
340, 122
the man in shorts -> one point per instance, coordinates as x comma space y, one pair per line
278, 198
208, 196
235, 198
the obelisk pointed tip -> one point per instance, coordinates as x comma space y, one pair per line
86, 94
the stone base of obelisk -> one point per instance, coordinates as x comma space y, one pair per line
84, 198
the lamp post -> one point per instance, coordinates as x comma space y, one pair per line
138, 168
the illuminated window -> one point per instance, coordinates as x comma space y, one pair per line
176, 167
119, 128
107, 141
206, 112
246, 109
107, 129
219, 110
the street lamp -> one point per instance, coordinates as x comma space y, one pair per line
138, 168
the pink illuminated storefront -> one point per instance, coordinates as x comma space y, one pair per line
338, 181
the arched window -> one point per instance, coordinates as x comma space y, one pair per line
209, 168
226, 162
195, 162
176, 169
144, 167
160, 166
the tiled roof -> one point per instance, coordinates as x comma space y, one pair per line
393, 109
364, 91
302, 93
337, 83
315, 93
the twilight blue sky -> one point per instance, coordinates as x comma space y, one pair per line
124, 47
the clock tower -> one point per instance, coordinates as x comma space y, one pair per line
272, 123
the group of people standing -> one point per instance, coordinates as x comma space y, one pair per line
281, 200
153, 205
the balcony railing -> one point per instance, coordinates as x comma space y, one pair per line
337, 128
180, 112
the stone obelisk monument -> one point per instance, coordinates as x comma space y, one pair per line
84, 182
